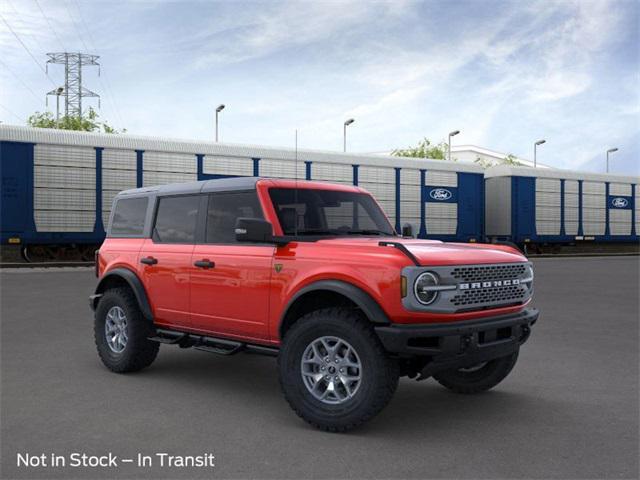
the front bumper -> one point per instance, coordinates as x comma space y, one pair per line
461, 344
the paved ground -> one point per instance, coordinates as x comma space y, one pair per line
569, 409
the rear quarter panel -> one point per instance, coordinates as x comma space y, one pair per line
119, 253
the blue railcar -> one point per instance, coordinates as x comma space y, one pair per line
58, 186
550, 206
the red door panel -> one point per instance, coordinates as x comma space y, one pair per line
167, 281
232, 297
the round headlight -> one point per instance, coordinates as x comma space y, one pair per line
423, 293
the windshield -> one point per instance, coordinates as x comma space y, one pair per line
328, 212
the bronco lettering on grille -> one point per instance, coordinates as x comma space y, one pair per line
494, 283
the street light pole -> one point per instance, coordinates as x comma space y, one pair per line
218, 110
535, 152
344, 133
611, 150
451, 134
59, 91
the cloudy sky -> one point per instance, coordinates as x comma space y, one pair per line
504, 73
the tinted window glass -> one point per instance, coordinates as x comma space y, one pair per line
176, 219
225, 209
328, 212
128, 216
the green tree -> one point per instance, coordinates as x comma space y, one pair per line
86, 123
510, 159
425, 149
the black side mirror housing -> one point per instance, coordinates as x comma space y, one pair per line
254, 230
407, 230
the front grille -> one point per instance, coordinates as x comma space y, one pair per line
494, 295
479, 273
465, 288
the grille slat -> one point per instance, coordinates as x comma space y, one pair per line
491, 272
494, 294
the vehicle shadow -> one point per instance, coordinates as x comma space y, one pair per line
416, 408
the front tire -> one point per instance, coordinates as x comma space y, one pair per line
333, 370
121, 332
479, 378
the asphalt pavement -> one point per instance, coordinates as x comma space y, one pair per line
568, 410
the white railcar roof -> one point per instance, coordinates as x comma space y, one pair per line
133, 142
511, 171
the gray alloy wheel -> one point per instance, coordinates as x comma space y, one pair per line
331, 370
115, 329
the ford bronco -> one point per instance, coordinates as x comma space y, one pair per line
314, 274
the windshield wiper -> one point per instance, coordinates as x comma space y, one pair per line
343, 232
317, 232
368, 232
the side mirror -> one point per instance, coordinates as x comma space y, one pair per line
407, 230
254, 230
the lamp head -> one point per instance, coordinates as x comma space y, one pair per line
349, 122
611, 150
220, 108
540, 142
454, 133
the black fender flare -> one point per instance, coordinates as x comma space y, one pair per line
134, 283
362, 299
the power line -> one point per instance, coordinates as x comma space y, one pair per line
10, 112
28, 51
75, 26
21, 81
50, 25
107, 84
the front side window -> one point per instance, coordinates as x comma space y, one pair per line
176, 219
225, 209
128, 217
328, 212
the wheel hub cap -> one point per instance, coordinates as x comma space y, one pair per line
331, 370
115, 329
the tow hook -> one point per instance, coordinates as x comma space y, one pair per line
465, 342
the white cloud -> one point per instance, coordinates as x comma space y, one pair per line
402, 69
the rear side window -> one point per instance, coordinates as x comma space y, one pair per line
176, 219
128, 217
224, 209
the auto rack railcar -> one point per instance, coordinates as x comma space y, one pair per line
58, 186
549, 206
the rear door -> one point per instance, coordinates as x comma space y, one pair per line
230, 281
165, 258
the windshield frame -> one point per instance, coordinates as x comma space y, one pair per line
374, 213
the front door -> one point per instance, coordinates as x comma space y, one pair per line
165, 259
230, 281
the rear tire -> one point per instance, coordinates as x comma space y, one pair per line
480, 378
341, 343
121, 332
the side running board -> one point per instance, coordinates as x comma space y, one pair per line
221, 346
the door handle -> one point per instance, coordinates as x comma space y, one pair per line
204, 264
149, 260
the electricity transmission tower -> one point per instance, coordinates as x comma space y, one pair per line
73, 91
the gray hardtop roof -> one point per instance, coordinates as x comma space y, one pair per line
203, 186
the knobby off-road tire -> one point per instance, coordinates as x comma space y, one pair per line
479, 379
354, 342
132, 351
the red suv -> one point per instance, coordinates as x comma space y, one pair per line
314, 274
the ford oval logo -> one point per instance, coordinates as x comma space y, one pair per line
619, 202
440, 194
